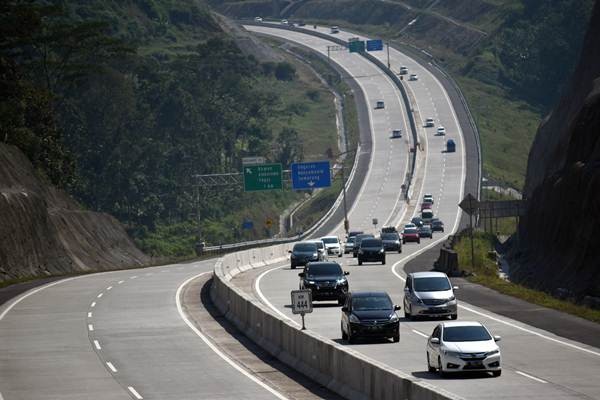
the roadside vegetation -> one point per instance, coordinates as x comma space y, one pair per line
485, 272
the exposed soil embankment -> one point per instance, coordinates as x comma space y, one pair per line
43, 232
559, 239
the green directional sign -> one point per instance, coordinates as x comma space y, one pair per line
262, 177
356, 46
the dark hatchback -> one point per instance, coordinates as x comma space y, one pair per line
303, 253
357, 240
426, 232
437, 225
371, 250
326, 280
370, 314
391, 241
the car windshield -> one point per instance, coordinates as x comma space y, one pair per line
365, 303
389, 236
425, 228
324, 269
305, 247
432, 284
466, 334
329, 240
319, 244
350, 240
410, 230
371, 243
427, 214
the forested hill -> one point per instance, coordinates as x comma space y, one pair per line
122, 102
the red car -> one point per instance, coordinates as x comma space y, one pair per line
410, 235
426, 206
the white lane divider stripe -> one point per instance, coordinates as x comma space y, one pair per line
93, 304
531, 377
90, 314
133, 277
120, 282
212, 346
97, 345
108, 288
111, 366
90, 327
420, 333
134, 393
100, 295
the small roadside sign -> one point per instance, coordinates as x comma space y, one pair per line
253, 160
375, 221
469, 204
269, 223
247, 224
262, 177
301, 302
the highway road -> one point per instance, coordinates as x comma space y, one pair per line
114, 335
536, 364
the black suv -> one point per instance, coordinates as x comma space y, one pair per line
391, 241
371, 250
326, 280
357, 240
370, 314
303, 253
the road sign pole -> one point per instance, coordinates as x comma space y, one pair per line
303, 326
388, 53
471, 235
346, 223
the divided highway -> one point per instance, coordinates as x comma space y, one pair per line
536, 364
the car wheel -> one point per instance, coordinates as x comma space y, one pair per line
344, 336
383, 262
350, 338
339, 255
441, 368
397, 336
292, 266
429, 367
403, 242
399, 251
359, 262
419, 241
341, 301
406, 313
454, 316
496, 373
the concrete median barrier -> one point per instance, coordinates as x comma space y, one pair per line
335, 366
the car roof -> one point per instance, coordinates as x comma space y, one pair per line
369, 294
450, 140
318, 263
313, 241
452, 324
305, 242
328, 237
428, 274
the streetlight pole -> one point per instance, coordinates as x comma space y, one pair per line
346, 222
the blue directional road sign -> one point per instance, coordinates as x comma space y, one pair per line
247, 224
374, 45
311, 175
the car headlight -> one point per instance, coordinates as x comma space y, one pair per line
354, 318
452, 353
394, 317
452, 298
315, 255
341, 281
381, 250
491, 353
397, 242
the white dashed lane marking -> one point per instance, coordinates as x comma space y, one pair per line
531, 377
134, 393
97, 345
93, 304
90, 327
111, 366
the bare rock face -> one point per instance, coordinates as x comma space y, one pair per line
43, 232
559, 238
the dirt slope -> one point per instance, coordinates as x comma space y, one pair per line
44, 232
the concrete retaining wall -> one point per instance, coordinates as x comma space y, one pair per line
335, 366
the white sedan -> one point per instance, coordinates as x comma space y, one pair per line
461, 347
441, 131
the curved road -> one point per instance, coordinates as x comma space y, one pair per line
536, 364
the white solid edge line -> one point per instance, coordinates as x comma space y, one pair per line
420, 333
97, 345
264, 299
111, 366
134, 393
531, 377
213, 347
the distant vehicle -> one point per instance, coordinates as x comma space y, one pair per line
349, 245
411, 224
284, 22
410, 235
379, 105
441, 131
302, 253
425, 231
370, 314
426, 206
354, 233
389, 229
450, 146
403, 70
301, 23
413, 77
437, 225
320, 248
357, 240
417, 222
428, 198
258, 19
396, 133
429, 294
332, 245
463, 346
427, 216
429, 122
326, 280
391, 241
335, 29
371, 250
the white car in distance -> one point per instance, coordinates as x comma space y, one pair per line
396, 133
413, 77
429, 123
403, 70
441, 131
332, 245
258, 19
461, 347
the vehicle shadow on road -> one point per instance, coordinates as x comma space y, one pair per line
456, 375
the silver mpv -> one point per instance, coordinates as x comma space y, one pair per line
429, 294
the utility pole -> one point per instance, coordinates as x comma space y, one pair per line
388, 54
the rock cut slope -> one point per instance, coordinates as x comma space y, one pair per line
43, 232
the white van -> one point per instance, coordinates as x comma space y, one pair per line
427, 215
